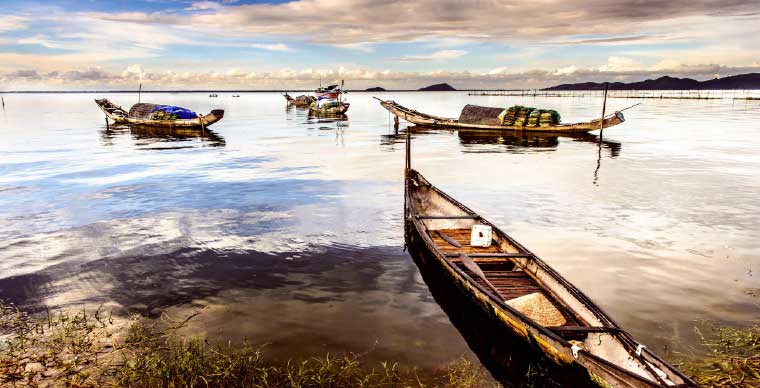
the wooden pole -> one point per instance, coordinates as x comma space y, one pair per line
408, 164
604, 108
139, 91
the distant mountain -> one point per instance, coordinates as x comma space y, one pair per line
375, 89
742, 81
438, 88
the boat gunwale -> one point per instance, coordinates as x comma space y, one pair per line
619, 333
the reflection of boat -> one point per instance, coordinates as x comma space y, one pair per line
420, 118
519, 303
145, 114
508, 141
166, 135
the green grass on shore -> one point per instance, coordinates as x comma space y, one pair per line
87, 349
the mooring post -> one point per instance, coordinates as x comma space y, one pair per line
395, 122
604, 109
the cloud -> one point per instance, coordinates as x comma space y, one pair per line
41, 40
271, 46
327, 22
204, 5
356, 78
615, 64
11, 22
438, 55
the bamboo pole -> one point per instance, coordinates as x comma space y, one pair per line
604, 108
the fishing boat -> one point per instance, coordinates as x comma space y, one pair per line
154, 115
492, 121
328, 108
521, 300
331, 92
302, 101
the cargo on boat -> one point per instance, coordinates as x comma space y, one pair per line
517, 118
522, 302
155, 115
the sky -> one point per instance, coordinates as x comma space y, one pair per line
229, 44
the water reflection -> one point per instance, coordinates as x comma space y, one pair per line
506, 141
162, 138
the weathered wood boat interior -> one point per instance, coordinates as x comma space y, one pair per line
499, 272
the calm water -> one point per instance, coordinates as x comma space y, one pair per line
288, 230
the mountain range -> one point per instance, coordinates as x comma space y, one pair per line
742, 81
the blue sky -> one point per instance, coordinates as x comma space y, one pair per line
396, 44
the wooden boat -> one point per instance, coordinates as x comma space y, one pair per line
524, 299
137, 116
337, 110
302, 101
420, 118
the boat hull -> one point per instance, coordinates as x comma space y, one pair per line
423, 119
514, 345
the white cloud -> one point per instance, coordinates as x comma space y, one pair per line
356, 78
10, 23
204, 5
41, 40
499, 70
438, 55
271, 46
621, 64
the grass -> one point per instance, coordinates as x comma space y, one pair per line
731, 358
88, 349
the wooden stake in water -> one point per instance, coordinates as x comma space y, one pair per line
3, 98
604, 108
139, 91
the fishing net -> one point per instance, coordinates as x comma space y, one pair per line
538, 308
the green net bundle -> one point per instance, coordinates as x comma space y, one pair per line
521, 116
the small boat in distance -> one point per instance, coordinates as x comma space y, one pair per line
328, 108
495, 122
154, 115
212, 95
519, 299
302, 101
331, 92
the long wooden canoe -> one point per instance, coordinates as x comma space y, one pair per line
121, 116
425, 119
525, 299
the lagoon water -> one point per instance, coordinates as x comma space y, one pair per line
287, 230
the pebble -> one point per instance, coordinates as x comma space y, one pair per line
34, 367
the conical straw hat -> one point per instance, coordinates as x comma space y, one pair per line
536, 307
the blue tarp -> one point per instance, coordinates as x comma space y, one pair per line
178, 111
